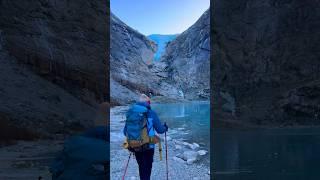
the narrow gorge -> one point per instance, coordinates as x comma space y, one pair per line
181, 73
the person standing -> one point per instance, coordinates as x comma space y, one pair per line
143, 145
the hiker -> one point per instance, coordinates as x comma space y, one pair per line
143, 148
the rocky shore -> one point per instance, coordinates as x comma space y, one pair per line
185, 159
28, 159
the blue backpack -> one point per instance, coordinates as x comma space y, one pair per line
136, 129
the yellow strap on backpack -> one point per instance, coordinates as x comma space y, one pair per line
160, 150
125, 144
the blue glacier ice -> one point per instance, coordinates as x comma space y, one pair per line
161, 41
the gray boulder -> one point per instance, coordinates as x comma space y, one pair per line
190, 156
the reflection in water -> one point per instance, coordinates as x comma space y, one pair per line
232, 149
267, 154
181, 108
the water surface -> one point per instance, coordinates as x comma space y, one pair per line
192, 120
285, 154
189, 122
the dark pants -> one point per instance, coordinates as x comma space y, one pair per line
144, 160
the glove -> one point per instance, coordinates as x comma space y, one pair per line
165, 125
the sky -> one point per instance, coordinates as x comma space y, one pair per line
159, 16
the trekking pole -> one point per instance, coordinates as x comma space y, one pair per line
165, 139
125, 170
160, 150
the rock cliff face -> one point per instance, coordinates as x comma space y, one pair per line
265, 61
62, 41
187, 60
131, 62
53, 64
182, 72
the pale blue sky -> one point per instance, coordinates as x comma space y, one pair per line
159, 16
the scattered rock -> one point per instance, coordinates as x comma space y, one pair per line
178, 160
191, 161
177, 141
186, 144
195, 145
183, 169
178, 147
191, 146
180, 156
190, 155
202, 152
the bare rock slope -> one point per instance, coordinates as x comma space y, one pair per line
131, 61
53, 64
265, 67
187, 60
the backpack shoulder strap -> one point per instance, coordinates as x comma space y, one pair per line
147, 121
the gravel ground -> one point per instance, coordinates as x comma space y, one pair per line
27, 160
178, 169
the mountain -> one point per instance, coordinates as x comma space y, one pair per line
53, 65
181, 73
265, 67
187, 60
161, 41
131, 65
